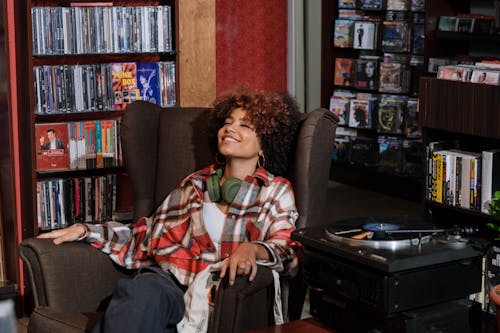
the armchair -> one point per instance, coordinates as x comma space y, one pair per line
71, 282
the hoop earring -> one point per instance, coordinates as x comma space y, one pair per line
261, 162
220, 159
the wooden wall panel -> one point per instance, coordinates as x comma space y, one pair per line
196, 45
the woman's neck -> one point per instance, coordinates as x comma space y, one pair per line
239, 169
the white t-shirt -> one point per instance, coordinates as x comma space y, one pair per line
214, 219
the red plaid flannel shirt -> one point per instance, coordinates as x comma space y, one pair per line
175, 237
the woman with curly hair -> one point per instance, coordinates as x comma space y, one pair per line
229, 216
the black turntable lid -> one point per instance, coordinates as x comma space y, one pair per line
387, 244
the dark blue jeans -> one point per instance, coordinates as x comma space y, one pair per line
151, 301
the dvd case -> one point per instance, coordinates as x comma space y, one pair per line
343, 33
367, 74
390, 114
340, 107
447, 23
394, 77
365, 35
344, 68
395, 36
361, 113
373, 4
464, 24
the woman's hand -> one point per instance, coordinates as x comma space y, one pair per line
69, 234
243, 261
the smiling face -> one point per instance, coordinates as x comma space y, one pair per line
237, 138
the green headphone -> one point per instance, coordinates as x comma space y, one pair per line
228, 190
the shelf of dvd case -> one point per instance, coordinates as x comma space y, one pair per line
93, 29
101, 87
467, 36
62, 202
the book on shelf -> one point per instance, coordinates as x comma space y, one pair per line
418, 39
167, 83
343, 33
485, 76
411, 125
431, 158
148, 82
366, 35
456, 178
125, 89
483, 25
373, 4
363, 151
462, 182
344, 70
394, 77
340, 107
490, 176
390, 154
361, 112
89, 135
464, 24
447, 23
110, 145
395, 36
367, 74
341, 149
390, 114
417, 5
399, 5
348, 4
52, 146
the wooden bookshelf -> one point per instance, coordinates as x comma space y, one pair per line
451, 110
18, 176
394, 183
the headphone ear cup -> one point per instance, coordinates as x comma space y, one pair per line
213, 188
230, 188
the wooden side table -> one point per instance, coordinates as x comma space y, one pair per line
298, 326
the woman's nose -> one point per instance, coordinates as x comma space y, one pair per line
230, 128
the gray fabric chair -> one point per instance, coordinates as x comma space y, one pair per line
71, 283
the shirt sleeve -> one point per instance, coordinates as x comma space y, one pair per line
126, 244
282, 215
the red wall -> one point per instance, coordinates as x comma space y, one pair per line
251, 44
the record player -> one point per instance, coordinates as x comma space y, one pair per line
399, 274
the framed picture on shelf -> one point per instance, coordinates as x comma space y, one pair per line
52, 146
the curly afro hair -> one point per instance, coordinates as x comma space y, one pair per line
275, 116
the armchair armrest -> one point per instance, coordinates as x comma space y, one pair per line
245, 305
71, 277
